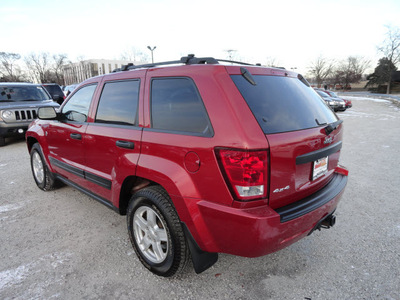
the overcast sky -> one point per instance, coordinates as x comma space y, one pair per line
293, 33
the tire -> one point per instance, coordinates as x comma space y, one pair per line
43, 177
156, 233
2, 141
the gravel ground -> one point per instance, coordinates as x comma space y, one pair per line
64, 245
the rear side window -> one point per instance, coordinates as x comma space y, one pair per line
118, 103
282, 104
176, 106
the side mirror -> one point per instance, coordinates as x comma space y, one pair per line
47, 113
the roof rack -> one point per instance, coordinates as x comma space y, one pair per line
187, 60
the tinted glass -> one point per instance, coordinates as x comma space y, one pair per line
118, 103
22, 93
334, 95
54, 90
282, 104
77, 107
322, 94
176, 106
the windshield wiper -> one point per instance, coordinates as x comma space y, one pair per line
319, 124
331, 127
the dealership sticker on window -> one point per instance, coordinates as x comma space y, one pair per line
320, 167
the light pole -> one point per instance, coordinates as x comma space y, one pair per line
151, 49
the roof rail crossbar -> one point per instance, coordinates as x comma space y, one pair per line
155, 64
236, 62
192, 60
187, 60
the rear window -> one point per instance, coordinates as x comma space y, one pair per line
282, 104
22, 93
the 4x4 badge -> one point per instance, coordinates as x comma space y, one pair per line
282, 189
328, 140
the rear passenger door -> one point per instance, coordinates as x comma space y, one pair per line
112, 141
177, 136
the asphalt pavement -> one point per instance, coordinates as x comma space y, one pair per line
65, 245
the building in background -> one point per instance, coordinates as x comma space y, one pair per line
77, 72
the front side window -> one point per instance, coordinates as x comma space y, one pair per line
118, 103
176, 105
77, 107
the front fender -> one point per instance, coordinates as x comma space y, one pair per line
36, 134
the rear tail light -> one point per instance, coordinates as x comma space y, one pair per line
245, 172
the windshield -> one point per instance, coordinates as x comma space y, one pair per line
323, 94
282, 104
334, 95
22, 93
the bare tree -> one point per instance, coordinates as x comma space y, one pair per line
134, 54
39, 66
271, 62
44, 68
58, 61
9, 69
350, 70
390, 48
321, 69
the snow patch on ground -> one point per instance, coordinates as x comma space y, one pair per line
12, 277
9, 207
365, 99
353, 113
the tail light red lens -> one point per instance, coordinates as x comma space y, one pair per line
245, 171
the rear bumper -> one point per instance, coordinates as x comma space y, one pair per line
261, 230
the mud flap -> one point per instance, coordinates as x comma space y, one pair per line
201, 260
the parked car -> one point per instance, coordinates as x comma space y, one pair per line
19, 103
55, 92
347, 103
203, 158
68, 89
328, 99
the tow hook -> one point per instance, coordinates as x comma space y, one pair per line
325, 223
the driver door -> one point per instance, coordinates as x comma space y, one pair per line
65, 137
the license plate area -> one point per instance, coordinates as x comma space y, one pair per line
320, 167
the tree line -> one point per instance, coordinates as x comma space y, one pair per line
324, 71
35, 67
45, 68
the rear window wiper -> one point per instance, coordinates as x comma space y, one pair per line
331, 127
247, 75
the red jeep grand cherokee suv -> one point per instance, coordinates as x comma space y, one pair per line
201, 157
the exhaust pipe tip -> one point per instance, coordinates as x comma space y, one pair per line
328, 222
